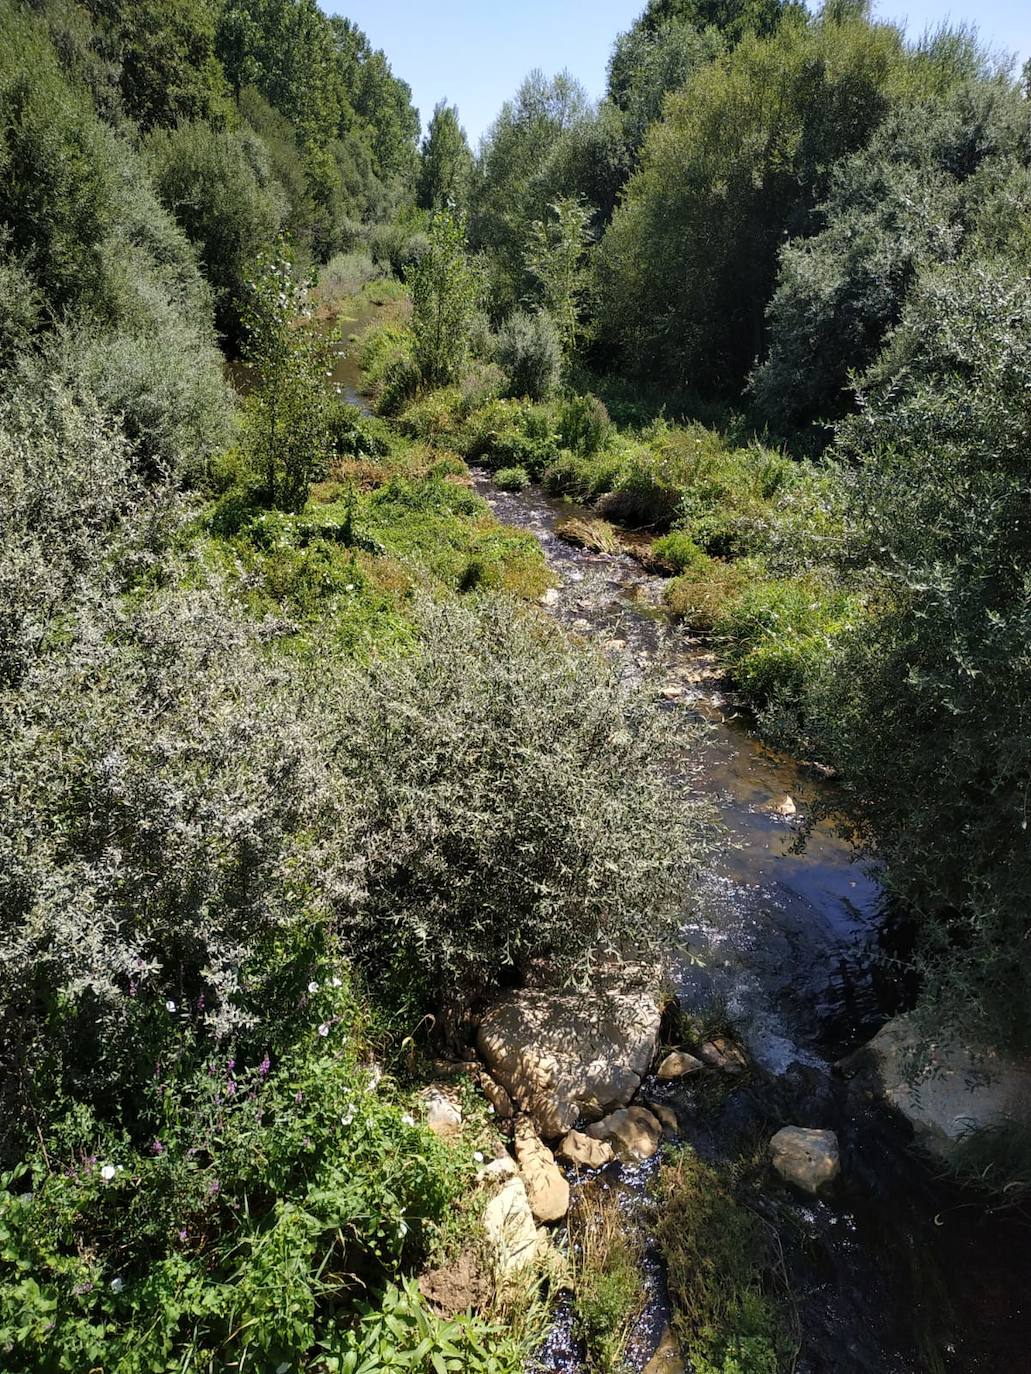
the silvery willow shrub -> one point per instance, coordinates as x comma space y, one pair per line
77, 523
529, 352
170, 847
514, 807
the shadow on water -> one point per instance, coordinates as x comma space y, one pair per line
902, 1274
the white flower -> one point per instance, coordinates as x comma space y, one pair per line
313, 987
324, 1029
107, 1173
117, 1285
170, 1005
490, 1111
408, 1119
335, 982
478, 1156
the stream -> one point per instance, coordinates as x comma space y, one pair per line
902, 1273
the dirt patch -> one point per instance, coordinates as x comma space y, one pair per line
461, 1286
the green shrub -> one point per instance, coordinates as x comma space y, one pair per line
530, 354
583, 425
499, 834
512, 479
510, 433
704, 592
730, 1310
678, 550
608, 1290
345, 274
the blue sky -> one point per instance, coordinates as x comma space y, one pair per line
476, 52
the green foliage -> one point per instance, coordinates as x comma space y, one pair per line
513, 433
939, 513
57, 187
608, 1292
911, 198
165, 54
499, 834
446, 164
678, 550
512, 479
288, 410
510, 190
219, 187
399, 1333
721, 1266
445, 292
555, 258
688, 264
583, 425
529, 350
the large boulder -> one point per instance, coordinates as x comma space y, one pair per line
959, 1092
678, 1064
566, 1055
633, 1132
807, 1159
546, 1188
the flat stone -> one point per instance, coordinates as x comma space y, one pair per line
510, 1229
806, 1158
546, 1189
584, 1152
721, 1053
566, 1055
633, 1132
678, 1064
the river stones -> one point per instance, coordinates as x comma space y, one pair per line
566, 1055
546, 1189
667, 1119
633, 1132
678, 1064
583, 1152
806, 1158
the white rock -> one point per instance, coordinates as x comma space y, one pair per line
808, 1159
678, 1064
510, 1229
443, 1117
498, 1170
785, 807
551, 597
564, 1055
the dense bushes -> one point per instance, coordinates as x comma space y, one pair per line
529, 352
499, 832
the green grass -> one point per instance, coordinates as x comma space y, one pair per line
725, 1277
606, 1249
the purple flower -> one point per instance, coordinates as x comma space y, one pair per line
157, 1148
182, 1234
264, 1067
230, 1089
298, 1098
213, 1187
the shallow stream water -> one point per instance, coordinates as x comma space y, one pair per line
902, 1274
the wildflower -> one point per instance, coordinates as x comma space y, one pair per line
478, 1156
230, 1089
313, 986
157, 1148
214, 1187
348, 1118
490, 1111
107, 1173
264, 1067
170, 1005
335, 982
117, 1284
324, 1029
408, 1119
182, 1234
